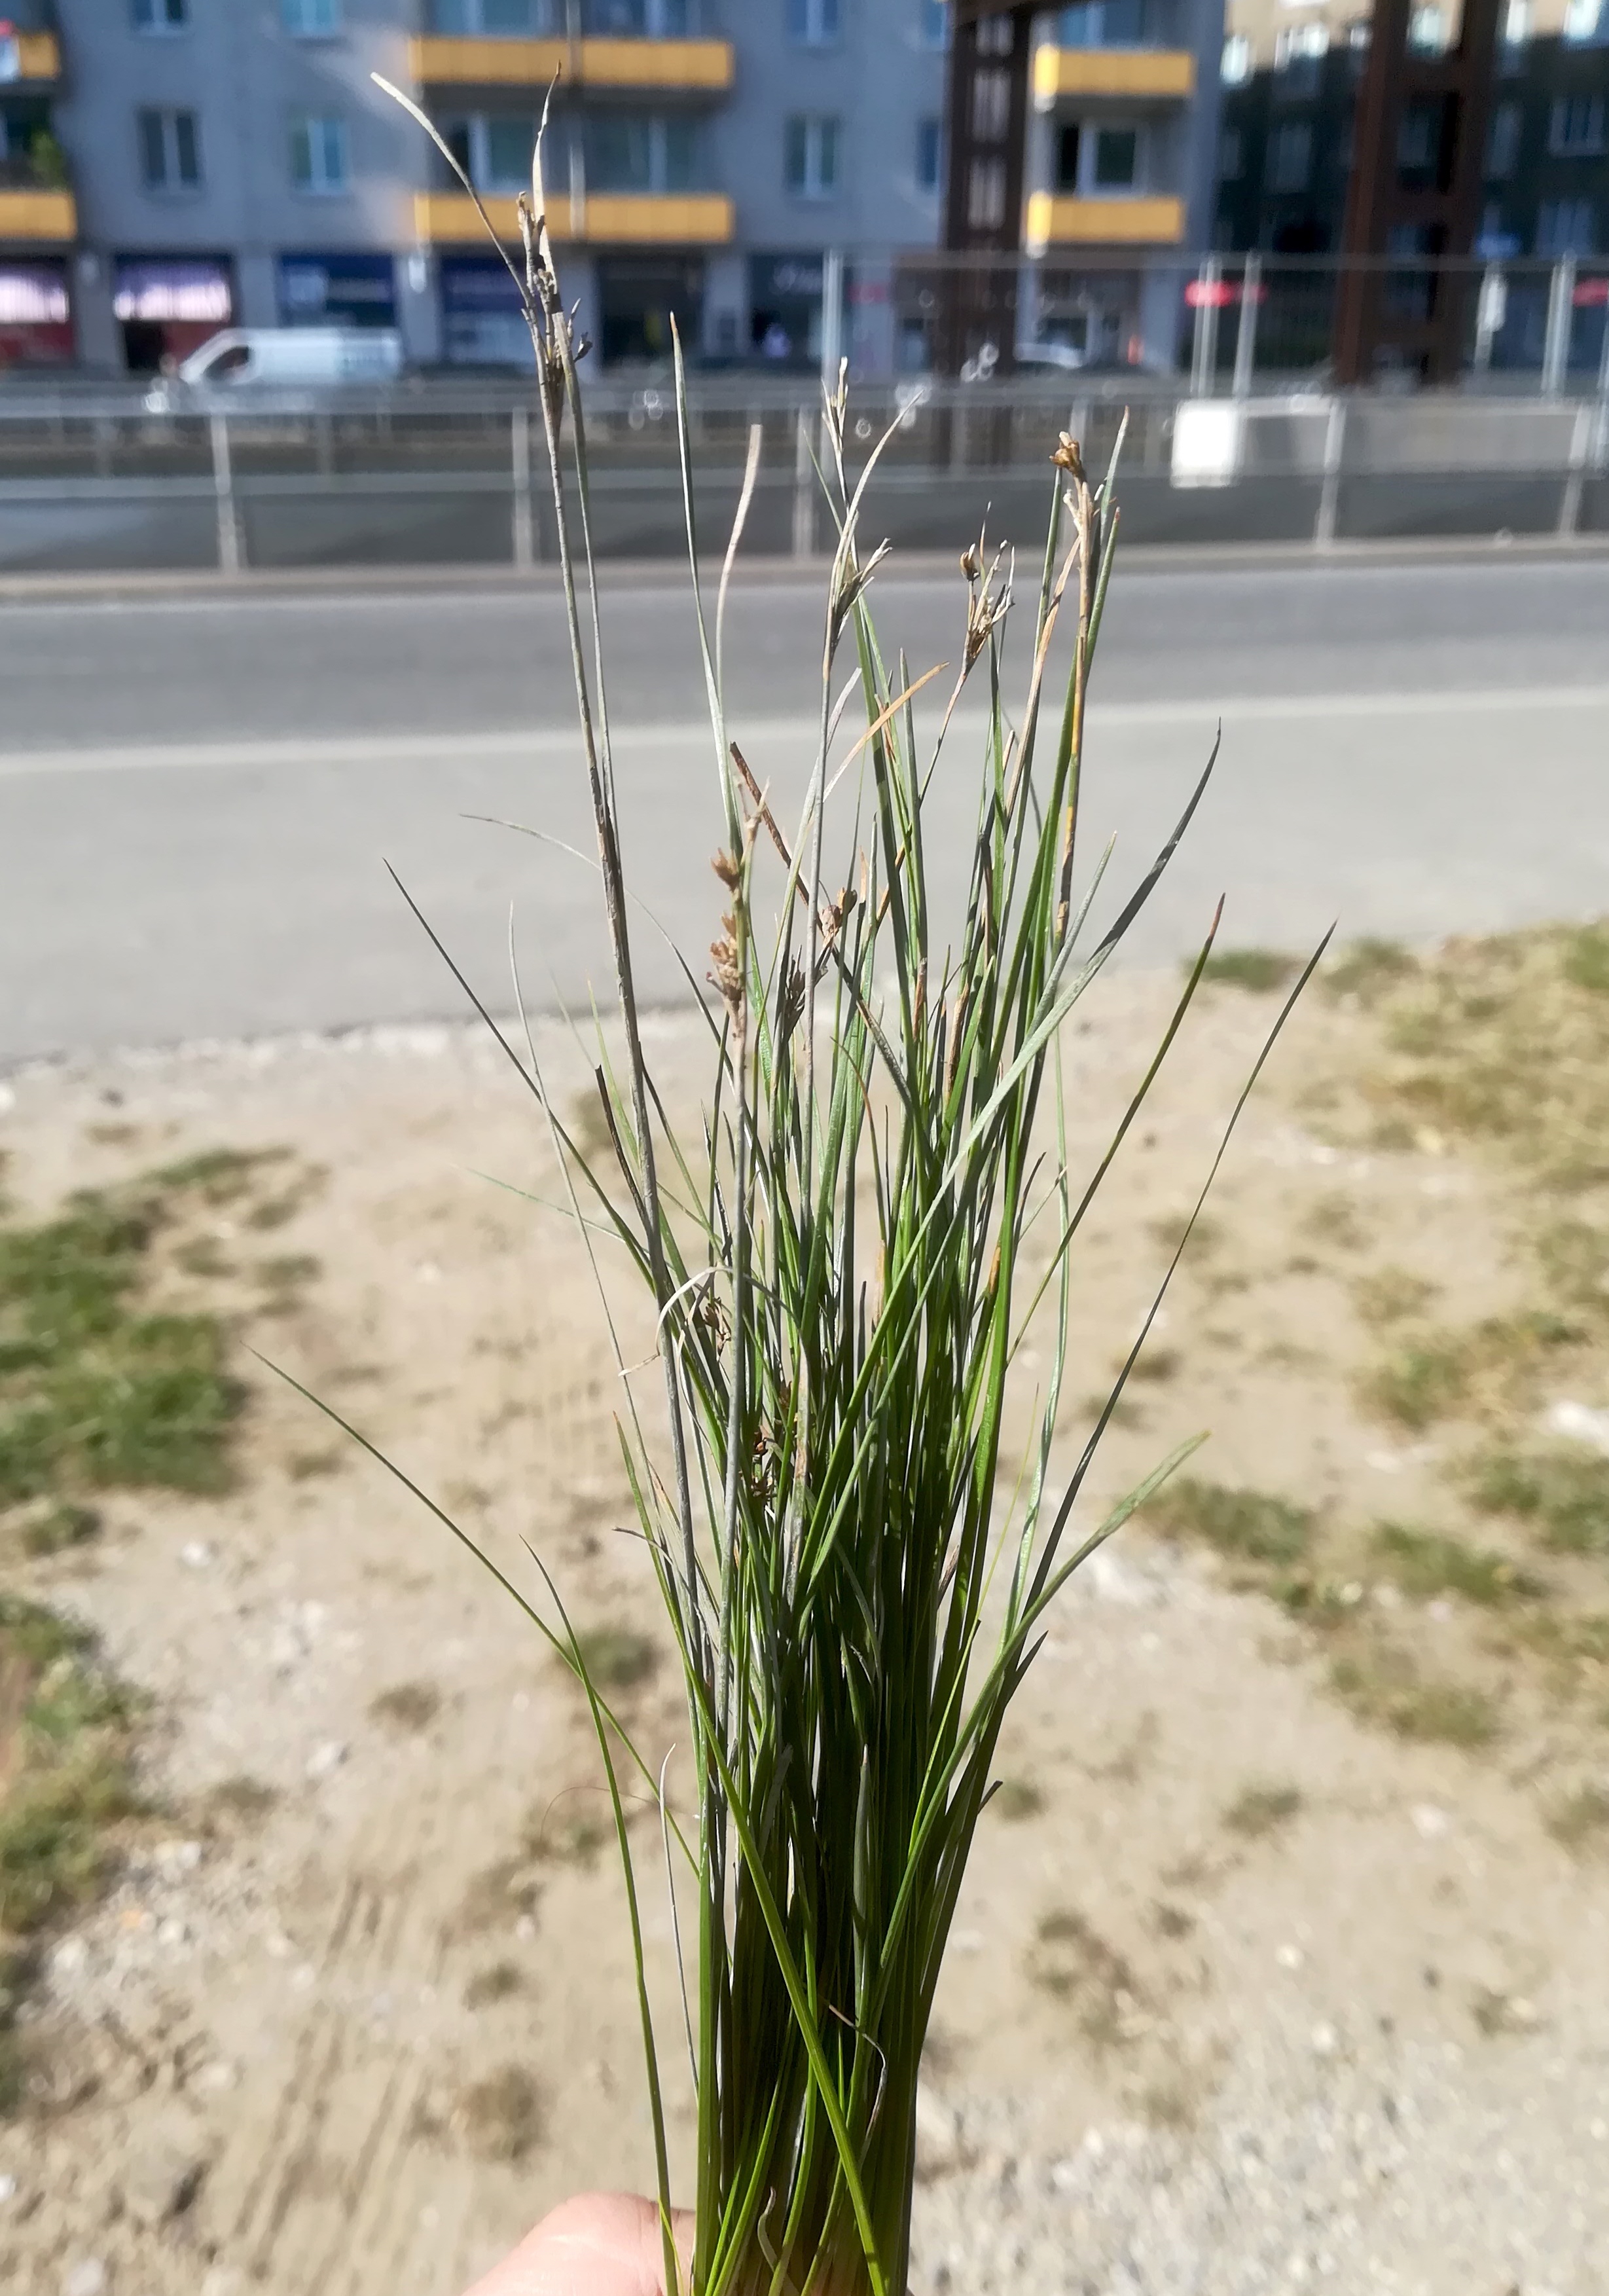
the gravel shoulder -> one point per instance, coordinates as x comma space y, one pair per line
1254, 1987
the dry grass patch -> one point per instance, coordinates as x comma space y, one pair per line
1259, 1811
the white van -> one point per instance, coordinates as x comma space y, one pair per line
294, 358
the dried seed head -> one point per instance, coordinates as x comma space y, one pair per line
728, 870
1067, 457
972, 564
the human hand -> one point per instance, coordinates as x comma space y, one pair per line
596, 2245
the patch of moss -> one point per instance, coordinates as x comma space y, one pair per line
1245, 1525
1384, 1686
1261, 970
1425, 1564
1263, 1809
1562, 1494
1368, 969
98, 1391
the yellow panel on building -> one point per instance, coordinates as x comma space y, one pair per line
606, 219
481, 63
38, 56
1054, 220
470, 63
658, 63
1156, 72
41, 216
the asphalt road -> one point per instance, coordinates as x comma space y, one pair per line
197, 794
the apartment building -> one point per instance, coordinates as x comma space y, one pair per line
170, 166
1292, 75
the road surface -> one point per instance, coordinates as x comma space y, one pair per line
197, 794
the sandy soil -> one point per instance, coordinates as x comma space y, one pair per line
357, 2010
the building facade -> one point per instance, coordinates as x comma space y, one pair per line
1291, 78
170, 166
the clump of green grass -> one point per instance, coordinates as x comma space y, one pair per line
1337, 1219
618, 1658
1586, 958
48, 1526
1391, 1294
499, 1982
837, 1282
1503, 1042
1419, 1383
241, 1800
1261, 1810
1562, 1494
1368, 969
502, 2117
407, 1706
1425, 1564
1579, 1820
1074, 1963
1261, 970
1016, 1799
67, 1792
1246, 1526
1382, 1685
570, 1833
97, 1391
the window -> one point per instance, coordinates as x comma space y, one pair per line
929, 154
1291, 160
986, 195
1091, 157
1427, 31
1586, 21
311, 20
494, 16
494, 151
1102, 24
170, 150
1299, 50
935, 23
1231, 156
1117, 151
639, 152
1575, 129
1503, 142
991, 104
318, 154
162, 15
1565, 228
1516, 38
1236, 68
813, 23
810, 156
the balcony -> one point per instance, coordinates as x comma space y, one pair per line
1164, 75
36, 205
1057, 219
603, 219
698, 67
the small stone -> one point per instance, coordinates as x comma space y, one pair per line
8, 2191
324, 1760
216, 2078
1597, 2130
1325, 2040
69, 1957
85, 2278
164, 2177
525, 1929
1290, 1956
173, 1932
195, 1554
1430, 1823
